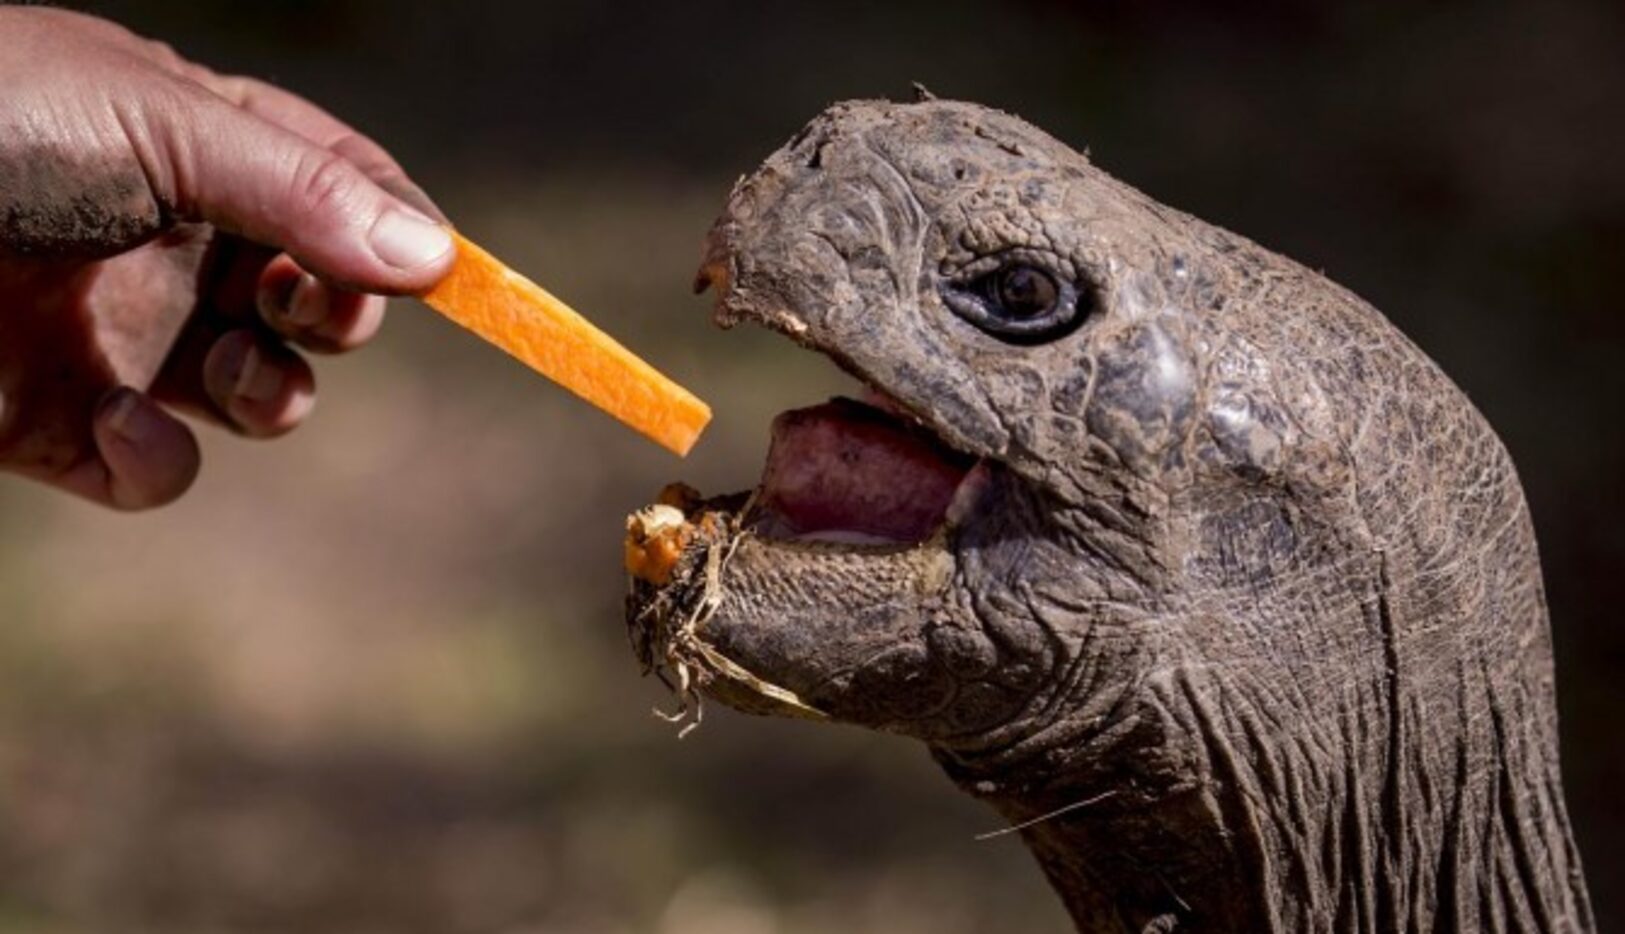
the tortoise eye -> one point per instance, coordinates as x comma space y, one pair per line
1020, 302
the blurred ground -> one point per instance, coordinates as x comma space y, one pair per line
373, 678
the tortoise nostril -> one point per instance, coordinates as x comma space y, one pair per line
816, 161
809, 145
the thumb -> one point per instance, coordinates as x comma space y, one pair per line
217, 163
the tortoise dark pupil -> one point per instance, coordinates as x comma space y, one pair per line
1025, 292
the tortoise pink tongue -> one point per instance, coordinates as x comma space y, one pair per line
845, 470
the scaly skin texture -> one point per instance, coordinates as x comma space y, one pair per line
1244, 570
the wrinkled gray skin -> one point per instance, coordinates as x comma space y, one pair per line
1248, 569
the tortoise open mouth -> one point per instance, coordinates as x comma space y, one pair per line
855, 473
846, 484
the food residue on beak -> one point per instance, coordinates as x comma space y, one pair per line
655, 538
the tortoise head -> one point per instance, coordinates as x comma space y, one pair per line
1132, 511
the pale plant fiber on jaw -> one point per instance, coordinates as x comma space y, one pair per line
665, 627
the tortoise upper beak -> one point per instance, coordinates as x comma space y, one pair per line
715, 261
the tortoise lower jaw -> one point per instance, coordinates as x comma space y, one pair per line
678, 552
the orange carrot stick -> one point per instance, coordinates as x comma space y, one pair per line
522, 318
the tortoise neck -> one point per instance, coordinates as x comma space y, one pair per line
1459, 825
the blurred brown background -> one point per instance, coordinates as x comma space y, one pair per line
374, 678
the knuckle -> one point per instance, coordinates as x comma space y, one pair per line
164, 54
325, 184
368, 156
234, 88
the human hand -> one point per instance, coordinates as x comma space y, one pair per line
165, 234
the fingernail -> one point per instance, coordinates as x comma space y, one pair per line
276, 301
298, 302
257, 381
408, 242
127, 418
414, 197
309, 304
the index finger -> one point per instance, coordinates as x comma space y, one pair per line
303, 118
